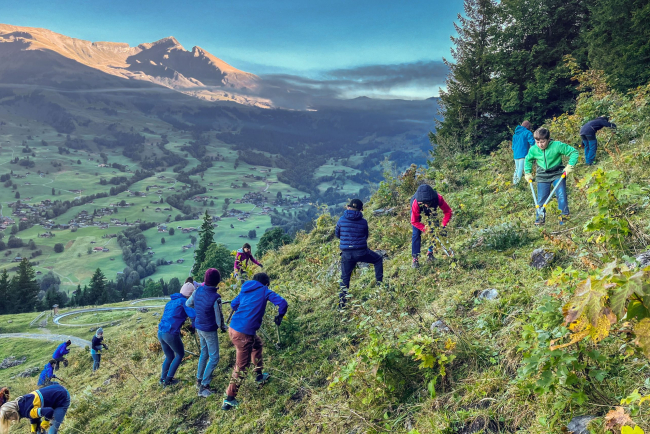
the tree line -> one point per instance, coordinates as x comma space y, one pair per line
509, 63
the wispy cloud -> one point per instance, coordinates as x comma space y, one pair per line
417, 80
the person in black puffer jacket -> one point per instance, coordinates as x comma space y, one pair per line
352, 231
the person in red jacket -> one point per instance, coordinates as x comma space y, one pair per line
426, 201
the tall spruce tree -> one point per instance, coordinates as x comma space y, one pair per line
98, 294
5, 303
465, 104
24, 288
206, 235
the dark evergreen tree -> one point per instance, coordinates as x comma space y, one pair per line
272, 240
206, 235
619, 41
465, 104
6, 306
98, 293
25, 288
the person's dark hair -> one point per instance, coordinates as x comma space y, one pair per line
189, 280
246, 246
542, 134
262, 278
68, 342
52, 362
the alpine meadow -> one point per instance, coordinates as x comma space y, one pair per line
326, 244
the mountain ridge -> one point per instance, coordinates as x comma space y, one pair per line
164, 62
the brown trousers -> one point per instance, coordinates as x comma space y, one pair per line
249, 349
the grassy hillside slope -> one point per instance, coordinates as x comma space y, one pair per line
380, 366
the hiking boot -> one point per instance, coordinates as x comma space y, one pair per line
161, 382
205, 391
540, 220
171, 382
229, 403
262, 378
415, 263
198, 383
343, 298
564, 219
430, 257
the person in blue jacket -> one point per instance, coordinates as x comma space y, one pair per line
522, 140
352, 231
206, 301
169, 335
588, 136
47, 374
46, 408
249, 307
61, 351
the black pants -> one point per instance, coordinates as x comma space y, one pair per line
59, 360
350, 258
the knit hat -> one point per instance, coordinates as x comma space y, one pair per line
212, 277
426, 194
187, 289
100, 331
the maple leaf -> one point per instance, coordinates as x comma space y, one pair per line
633, 285
617, 418
587, 300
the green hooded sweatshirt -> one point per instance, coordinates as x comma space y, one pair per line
549, 160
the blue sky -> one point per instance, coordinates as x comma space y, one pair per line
308, 38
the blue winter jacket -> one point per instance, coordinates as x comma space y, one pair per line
250, 305
521, 142
46, 375
49, 398
60, 351
352, 230
175, 314
590, 128
204, 299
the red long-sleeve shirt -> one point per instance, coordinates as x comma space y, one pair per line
415, 213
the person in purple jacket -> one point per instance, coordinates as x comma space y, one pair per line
249, 307
241, 259
588, 136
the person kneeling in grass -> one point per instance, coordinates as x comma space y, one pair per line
249, 307
45, 379
548, 154
45, 408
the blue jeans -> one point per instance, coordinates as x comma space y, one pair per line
591, 145
209, 356
416, 242
59, 415
96, 359
172, 346
544, 189
519, 170
350, 258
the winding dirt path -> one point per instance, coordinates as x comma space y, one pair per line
82, 343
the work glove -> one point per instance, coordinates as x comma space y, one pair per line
569, 169
278, 320
261, 265
223, 329
105, 346
45, 425
443, 231
192, 329
528, 177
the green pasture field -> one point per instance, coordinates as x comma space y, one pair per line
99, 317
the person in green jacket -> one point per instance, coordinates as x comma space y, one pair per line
548, 154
